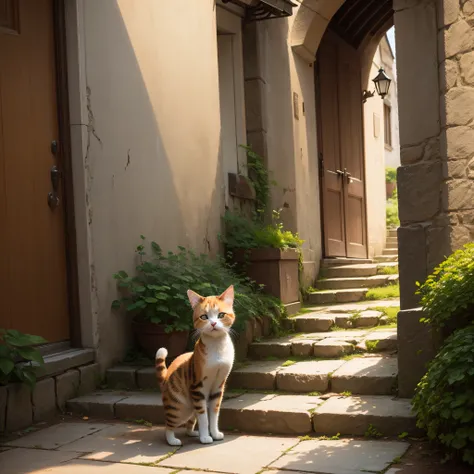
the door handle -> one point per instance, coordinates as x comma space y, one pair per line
348, 175
53, 198
338, 172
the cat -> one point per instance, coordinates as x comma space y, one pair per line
193, 385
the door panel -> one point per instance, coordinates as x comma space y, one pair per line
33, 278
332, 184
340, 134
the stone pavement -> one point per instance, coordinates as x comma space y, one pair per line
72, 447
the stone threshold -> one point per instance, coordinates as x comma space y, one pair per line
273, 414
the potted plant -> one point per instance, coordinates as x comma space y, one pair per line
156, 299
267, 253
156, 296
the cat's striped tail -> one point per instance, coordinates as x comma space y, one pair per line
160, 364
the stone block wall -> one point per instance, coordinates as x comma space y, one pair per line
20, 407
436, 99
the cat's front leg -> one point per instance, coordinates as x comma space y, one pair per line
203, 424
215, 400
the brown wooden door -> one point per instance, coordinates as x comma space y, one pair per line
33, 284
340, 136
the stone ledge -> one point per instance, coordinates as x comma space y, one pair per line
56, 364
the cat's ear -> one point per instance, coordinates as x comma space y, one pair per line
194, 298
228, 296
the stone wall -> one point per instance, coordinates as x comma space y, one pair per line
20, 407
436, 100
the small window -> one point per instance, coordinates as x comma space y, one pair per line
387, 118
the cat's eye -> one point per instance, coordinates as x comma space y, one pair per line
221, 315
204, 317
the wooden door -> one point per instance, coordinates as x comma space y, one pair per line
33, 278
340, 135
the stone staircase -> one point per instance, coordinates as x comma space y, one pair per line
335, 373
344, 280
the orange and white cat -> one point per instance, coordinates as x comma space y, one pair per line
193, 385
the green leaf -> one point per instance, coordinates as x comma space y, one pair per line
29, 353
17, 339
116, 304
151, 300
6, 366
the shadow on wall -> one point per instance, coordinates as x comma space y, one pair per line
280, 144
153, 166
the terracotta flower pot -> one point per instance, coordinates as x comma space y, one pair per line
152, 336
276, 269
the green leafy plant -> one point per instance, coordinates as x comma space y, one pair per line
157, 292
391, 175
391, 211
449, 291
259, 176
244, 233
16, 356
372, 432
444, 399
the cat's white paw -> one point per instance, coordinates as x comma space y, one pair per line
171, 439
192, 434
206, 439
217, 436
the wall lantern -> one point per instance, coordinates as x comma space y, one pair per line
382, 85
257, 10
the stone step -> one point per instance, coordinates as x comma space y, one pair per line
357, 282
125, 377
267, 413
337, 296
370, 375
390, 251
313, 344
392, 233
322, 322
334, 262
382, 265
386, 258
392, 242
350, 271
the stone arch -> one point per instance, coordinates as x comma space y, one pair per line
311, 21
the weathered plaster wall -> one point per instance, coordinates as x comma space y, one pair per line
286, 139
375, 164
145, 160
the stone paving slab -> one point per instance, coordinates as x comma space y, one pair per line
337, 296
58, 435
80, 466
353, 415
366, 375
277, 414
123, 443
341, 457
353, 307
23, 461
367, 318
235, 454
308, 376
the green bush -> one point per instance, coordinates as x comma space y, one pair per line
157, 293
391, 175
392, 219
444, 399
449, 291
16, 354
